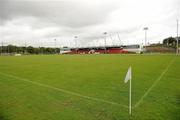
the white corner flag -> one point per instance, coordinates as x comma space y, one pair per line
128, 75
128, 78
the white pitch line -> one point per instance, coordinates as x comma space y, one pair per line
154, 84
64, 91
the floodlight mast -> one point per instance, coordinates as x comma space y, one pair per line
145, 29
55, 45
7, 48
76, 46
112, 41
177, 49
119, 39
25, 51
1, 47
105, 33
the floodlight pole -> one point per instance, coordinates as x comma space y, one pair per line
145, 29
105, 33
42, 47
1, 47
177, 49
7, 48
111, 39
76, 46
119, 39
55, 45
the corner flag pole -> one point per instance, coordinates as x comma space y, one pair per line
129, 78
130, 97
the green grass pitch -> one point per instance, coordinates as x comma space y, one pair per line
89, 87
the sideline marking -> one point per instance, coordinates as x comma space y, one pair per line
62, 90
154, 84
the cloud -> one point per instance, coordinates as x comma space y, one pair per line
64, 13
38, 21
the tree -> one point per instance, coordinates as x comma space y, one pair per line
30, 49
170, 41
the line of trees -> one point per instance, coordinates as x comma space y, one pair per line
11, 49
171, 41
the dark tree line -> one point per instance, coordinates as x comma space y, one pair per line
171, 41
11, 49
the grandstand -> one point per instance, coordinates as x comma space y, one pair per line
124, 49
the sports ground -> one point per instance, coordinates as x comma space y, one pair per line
89, 87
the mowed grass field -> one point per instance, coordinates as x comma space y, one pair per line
89, 87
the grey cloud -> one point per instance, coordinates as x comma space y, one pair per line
64, 13
65, 19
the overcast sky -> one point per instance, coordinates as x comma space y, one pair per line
40, 22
